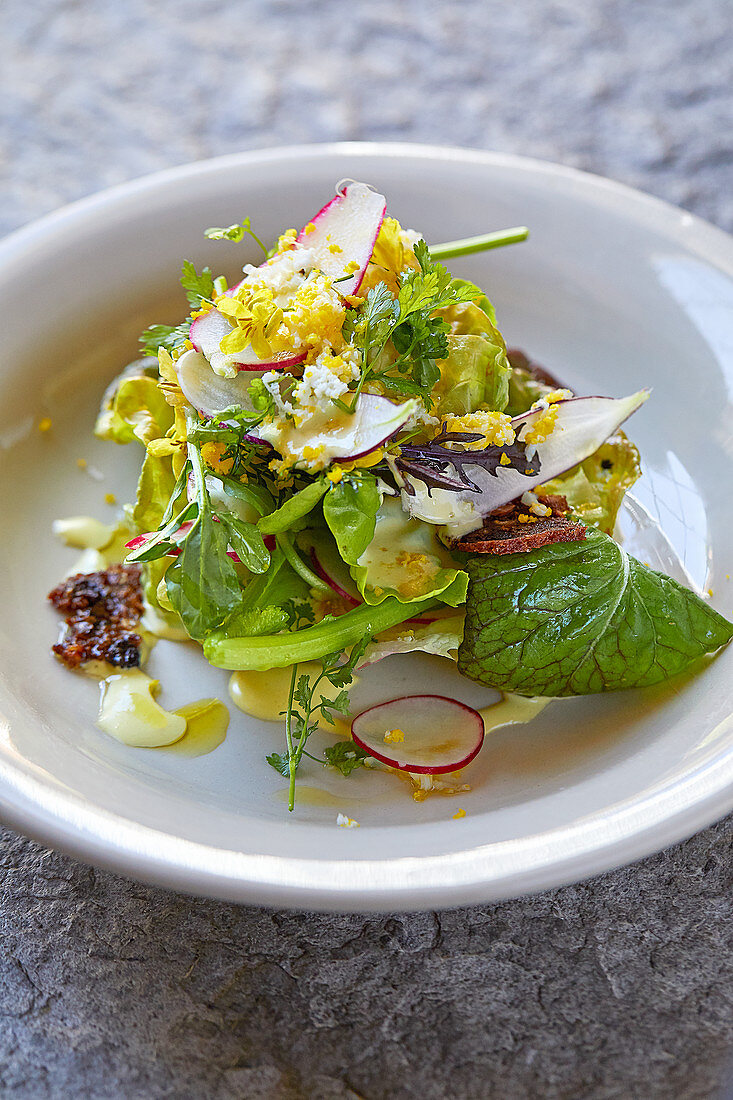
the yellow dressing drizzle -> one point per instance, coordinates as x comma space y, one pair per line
129, 712
207, 722
512, 710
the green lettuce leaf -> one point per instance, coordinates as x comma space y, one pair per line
441, 638
134, 409
580, 617
350, 510
476, 371
407, 561
154, 488
595, 489
474, 374
524, 389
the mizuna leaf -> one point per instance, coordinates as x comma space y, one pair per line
578, 618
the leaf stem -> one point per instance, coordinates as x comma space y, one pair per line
292, 764
298, 565
469, 245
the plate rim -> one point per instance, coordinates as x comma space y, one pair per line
627, 831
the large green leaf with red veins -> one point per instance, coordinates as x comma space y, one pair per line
580, 617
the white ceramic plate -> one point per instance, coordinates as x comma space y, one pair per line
613, 291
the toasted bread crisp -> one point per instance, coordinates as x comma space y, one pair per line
102, 613
513, 529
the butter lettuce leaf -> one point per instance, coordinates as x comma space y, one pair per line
134, 408
578, 618
595, 489
407, 561
475, 374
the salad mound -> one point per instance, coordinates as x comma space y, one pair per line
342, 461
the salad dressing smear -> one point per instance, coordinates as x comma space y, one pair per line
129, 713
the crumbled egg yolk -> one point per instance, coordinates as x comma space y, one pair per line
458, 814
335, 474
393, 737
495, 427
44, 425
110, 498
213, 456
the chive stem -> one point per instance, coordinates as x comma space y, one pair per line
469, 245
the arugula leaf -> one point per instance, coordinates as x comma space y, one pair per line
198, 287
202, 582
246, 541
294, 509
345, 756
350, 509
580, 617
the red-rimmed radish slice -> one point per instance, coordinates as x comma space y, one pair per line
207, 333
424, 734
343, 233
334, 573
339, 240
344, 436
582, 425
208, 392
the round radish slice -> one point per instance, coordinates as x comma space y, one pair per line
208, 392
425, 734
207, 333
343, 234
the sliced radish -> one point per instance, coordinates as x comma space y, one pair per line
207, 333
438, 734
344, 233
328, 565
582, 425
339, 241
339, 434
208, 392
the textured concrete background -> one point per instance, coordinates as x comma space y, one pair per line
620, 987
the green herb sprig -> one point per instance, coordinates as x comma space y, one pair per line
305, 714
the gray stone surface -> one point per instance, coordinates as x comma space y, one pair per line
620, 987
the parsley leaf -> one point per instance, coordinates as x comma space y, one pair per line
198, 287
409, 321
235, 233
169, 337
345, 756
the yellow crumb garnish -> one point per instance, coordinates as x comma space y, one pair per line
351, 268
335, 474
710, 591
505, 460
459, 813
309, 228
542, 427
335, 248
45, 424
494, 427
393, 737
110, 498
81, 463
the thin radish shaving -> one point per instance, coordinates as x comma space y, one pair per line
424, 734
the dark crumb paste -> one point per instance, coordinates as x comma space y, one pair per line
512, 529
102, 613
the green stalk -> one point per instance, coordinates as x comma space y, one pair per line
469, 245
292, 765
312, 642
295, 561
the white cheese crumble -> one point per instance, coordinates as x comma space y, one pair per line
347, 822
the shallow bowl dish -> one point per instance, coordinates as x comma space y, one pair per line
613, 291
